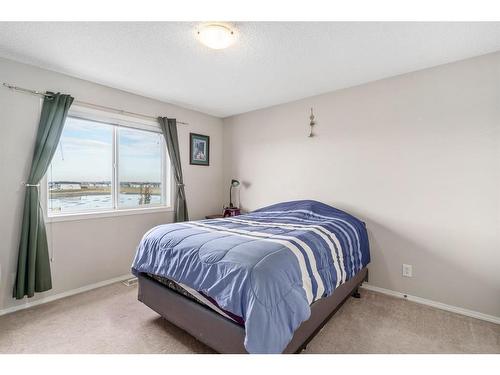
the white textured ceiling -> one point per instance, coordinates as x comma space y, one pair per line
271, 63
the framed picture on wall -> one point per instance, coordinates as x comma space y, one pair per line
199, 149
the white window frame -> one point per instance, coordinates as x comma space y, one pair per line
116, 120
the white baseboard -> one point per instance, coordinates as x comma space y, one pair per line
64, 294
437, 305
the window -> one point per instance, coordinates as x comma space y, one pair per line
106, 166
140, 168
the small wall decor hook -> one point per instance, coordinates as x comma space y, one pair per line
311, 124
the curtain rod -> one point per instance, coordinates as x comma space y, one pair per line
120, 111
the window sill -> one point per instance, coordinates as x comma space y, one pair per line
106, 214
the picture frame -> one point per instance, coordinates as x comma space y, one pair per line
199, 149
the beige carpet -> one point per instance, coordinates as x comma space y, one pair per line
111, 320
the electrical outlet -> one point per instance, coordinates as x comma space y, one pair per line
407, 270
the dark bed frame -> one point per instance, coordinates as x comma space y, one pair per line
222, 334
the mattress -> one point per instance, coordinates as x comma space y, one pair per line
198, 297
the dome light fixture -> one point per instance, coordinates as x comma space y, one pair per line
216, 35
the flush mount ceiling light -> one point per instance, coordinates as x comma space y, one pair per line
216, 35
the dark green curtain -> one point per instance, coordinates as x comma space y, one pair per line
169, 129
33, 266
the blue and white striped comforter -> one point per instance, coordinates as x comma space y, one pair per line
267, 266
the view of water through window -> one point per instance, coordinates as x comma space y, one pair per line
81, 178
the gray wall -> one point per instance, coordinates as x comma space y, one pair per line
415, 156
91, 250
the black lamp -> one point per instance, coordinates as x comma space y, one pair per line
234, 183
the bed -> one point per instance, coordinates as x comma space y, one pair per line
264, 282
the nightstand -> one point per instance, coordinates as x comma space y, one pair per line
216, 216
